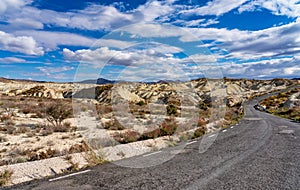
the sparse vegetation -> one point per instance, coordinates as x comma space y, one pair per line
57, 113
113, 124
140, 103
168, 127
42, 124
199, 132
126, 137
172, 110
5, 177
280, 105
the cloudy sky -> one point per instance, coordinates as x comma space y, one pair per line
149, 40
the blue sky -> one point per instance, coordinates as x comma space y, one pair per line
149, 40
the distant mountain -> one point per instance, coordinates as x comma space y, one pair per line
296, 79
6, 80
106, 81
97, 81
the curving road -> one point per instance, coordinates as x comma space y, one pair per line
261, 152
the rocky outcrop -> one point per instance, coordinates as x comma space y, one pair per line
37, 91
236, 91
293, 101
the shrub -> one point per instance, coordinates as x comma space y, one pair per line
49, 153
150, 134
103, 109
113, 124
46, 130
171, 110
10, 129
140, 103
201, 122
5, 117
22, 129
168, 127
127, 137
199, 132
65, 127
26, 110
76, 148
57, 112
5, 176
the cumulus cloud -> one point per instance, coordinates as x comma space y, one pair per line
155, 9
102, 56
21, 44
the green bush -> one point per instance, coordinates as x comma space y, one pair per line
140, 103
199, 132
171, 110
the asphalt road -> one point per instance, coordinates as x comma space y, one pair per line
261, 152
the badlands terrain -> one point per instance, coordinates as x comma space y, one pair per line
41, 120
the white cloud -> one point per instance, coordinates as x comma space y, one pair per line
282, 40
102, 56
51, 40
21, 44
154, 9
113, 43
215, 7
271, 42
12, 5
23, 24
282, 67
289, 8
11, 60
50, 70
93, 17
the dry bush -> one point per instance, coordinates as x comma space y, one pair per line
5, 177
126, 137
9, 129
26, 110
201, 122
22, 129
103, 109
150, 134
57, 112
49, 153
113, 124
5, 117
65, 127
168, 127
77, 148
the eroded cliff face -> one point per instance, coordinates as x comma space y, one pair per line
235, 91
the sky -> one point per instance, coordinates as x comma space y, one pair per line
142, 40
